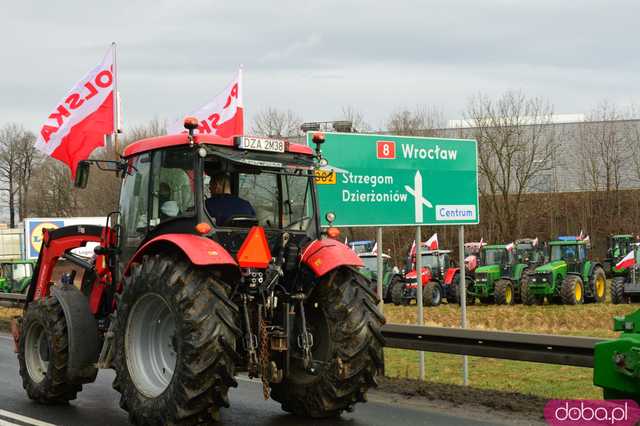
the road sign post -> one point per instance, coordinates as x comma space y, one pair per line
419, 295
463, 301
380, 268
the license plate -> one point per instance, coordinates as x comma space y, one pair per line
261, 144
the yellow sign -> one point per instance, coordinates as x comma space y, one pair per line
325, 177
36, 234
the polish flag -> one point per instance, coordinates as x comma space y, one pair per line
535, 242
481, 242
412, 250
82, 118
223, 116
628, 261
580, 236
432, 243
509, 246
374, 250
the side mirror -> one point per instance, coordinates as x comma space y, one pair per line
82, 174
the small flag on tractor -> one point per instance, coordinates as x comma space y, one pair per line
432, 243
509, 246
412, 250
627, 261
223, 116
374, 250
82, 118
535, 242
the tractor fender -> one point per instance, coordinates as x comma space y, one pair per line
450, 275
326, 255
82, 331
199, 250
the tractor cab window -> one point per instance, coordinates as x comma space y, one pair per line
568, 253
134, 201
430, 260
20, 271
494, 256
172, 185
271, 200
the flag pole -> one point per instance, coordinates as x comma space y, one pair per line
116, 112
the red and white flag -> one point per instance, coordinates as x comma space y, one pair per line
374, 250
432, 243
223, 116
580, 236
412, 250
627, 261
481, 242
535, 242
82, 118
509, 246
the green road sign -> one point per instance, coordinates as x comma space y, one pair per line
398, 180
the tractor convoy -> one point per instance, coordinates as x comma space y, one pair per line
214, 263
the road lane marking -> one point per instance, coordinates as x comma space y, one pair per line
6, 423
24, 419
246, 379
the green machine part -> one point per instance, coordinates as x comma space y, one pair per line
617, 362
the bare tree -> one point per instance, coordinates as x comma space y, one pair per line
154, 127
16, 162
358, 124
422, 121
276, 124
515, 144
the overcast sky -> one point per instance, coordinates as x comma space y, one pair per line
316, 57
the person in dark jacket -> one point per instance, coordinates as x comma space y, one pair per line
223, 205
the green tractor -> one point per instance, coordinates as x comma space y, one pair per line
529, 251
391, 275
15, 275
498, 279
569, 277
625, 285
617, 247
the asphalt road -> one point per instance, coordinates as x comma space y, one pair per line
97, 404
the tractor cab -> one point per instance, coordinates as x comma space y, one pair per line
618, 246
573, 253
363, 246
498, 254
15, 275
528, 251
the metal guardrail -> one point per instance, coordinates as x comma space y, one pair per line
544, 348
11, 300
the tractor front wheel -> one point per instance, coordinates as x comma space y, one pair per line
617, 290
503, 292
342, 316
598, 282
528, 297
395, 282
44, 353
431, 294
470, 300
572, 290
175, 337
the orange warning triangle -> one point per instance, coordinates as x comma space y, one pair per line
254, 252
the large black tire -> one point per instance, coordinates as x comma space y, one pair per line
43, 353
504, 292
598, 284
455, 287
528, 298
572, 290
617, 290
396, 293
343, 317
431, 294
395, 282
203, 343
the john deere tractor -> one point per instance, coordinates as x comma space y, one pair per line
391, 277
625, 286
498, 279
617, 247
569, 277
214, 263
15, 275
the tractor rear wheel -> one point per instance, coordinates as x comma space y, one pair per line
44, 354
431, 294
396, 293
598, 283
175, 338
395, 282
503, 292
345, 323
617, 290
572, 290
456, 290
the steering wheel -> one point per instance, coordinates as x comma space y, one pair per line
241, 221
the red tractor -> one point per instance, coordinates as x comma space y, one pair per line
215, 263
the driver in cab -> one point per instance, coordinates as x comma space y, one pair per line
222, 205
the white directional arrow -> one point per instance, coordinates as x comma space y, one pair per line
416, 191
